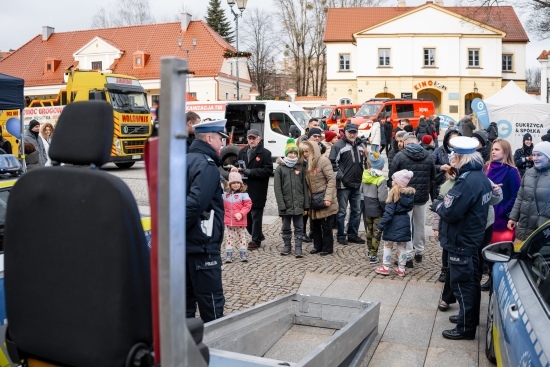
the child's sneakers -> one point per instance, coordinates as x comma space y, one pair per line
373, 259
383, 270
242, 255
229, 256
399, 271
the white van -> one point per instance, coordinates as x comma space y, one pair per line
273, 119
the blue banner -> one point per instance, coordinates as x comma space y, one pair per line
444, 121
480, 109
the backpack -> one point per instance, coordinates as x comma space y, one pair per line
492, 132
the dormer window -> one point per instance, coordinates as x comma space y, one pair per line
140, 59
51, 65
97, 65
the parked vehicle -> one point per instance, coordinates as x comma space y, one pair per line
518, 317
395, 109
123, 92
273, 119
335, 114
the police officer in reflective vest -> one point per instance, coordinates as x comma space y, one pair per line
463, 213
204, 222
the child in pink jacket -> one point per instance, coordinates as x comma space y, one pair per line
237, 204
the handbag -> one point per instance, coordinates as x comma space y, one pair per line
317, 200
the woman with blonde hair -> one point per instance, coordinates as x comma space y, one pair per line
46, 133
320, 179
502, 170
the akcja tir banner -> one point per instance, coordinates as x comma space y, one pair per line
480, 109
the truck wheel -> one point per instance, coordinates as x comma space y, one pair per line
125, 165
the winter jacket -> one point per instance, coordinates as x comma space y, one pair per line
348, 162
532, 206
289, 184
319, 177
374, 136
257, 173
508, 176
468, 127
236, 202
204, 199
388, 128
520, 159
423, 129
396, 223
428, 148
391, 155
464, 211
39, 146
417, 160
437, 122
441, 157
32, 160
375, 192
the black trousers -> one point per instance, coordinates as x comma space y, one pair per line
203, 286
465, 284
323, 238
254, 225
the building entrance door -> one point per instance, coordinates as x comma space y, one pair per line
431, 95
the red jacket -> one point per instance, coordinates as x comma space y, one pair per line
236, 202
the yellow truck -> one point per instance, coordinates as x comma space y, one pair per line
126, 95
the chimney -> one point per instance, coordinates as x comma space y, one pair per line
401, 3
47, 32
439, 2
185, 20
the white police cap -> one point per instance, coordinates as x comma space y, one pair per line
464, 144
214, 126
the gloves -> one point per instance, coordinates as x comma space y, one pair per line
246, 171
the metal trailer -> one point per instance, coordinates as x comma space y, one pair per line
243, 338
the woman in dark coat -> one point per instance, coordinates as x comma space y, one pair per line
522, 156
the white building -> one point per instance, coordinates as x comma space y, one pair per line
450, 55
544, 60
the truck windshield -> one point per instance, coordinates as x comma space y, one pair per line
369, 110
129, 102
321, 112
301, 117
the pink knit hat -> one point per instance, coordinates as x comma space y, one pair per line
402, 177
235, 177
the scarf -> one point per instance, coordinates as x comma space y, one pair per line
497, 171
289, 162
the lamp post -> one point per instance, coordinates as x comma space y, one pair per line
241, 5
180, 44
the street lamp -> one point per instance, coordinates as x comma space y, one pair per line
385, 89
180, 44
475, 88
241, 5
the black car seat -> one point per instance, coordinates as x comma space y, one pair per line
77, 273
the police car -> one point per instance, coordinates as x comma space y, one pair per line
518, 319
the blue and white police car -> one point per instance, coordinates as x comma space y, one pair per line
518, 319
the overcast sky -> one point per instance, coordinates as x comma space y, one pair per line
23, 20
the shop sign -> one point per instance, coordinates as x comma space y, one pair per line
407, 95
428, 84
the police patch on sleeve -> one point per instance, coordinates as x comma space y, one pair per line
448, 200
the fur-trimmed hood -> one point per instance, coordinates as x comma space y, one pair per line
407, 190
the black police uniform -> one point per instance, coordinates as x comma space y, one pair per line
203, 263
463, 213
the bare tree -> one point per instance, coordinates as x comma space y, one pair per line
538, 20
260, 39
533, 76
354, 3
125, 12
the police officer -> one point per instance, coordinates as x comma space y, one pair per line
463, 213
204, 222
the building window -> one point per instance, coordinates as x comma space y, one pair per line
138, 61
344, 62
96, 65
473, 57
507, 63
429, 57
49, 66
226, 96
383, 57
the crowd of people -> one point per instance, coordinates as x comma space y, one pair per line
480, 192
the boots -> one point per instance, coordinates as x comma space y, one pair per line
288, 245
242, 255
443, 274
229, 256
298, 247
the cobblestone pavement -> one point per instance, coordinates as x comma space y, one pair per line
268, 275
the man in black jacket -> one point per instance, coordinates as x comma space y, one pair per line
348, 161
414, 158
258, 167
204, 223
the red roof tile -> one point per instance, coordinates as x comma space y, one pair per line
310, 98
157, 40
342, 23
544, 55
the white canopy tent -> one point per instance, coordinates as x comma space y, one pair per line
517, 113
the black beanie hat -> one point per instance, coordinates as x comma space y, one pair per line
32, 124
527, 136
